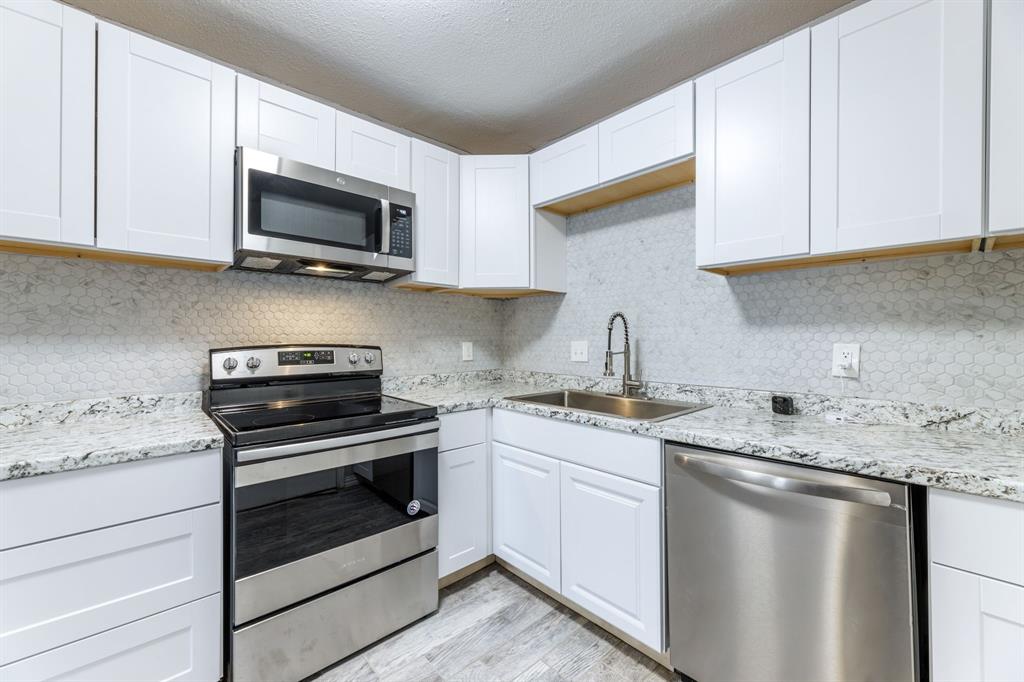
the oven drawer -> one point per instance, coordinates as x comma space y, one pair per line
294, 644
274, 589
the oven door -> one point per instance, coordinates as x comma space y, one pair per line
294, 209
310, 517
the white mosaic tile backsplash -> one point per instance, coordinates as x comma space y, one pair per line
946, 330
75, 328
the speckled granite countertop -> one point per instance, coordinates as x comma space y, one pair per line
49, 438
976, 463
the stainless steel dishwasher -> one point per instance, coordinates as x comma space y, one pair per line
785, 573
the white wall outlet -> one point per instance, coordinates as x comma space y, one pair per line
467, 351
846, 360
578, 351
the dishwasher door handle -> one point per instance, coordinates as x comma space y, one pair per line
877, 498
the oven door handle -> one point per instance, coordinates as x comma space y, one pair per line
323, 460
274, 451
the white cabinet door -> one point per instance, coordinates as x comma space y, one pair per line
280, 122
649, 134
897, 124
977, 628
525, 512
463, 508
494, 225
183, 644
47, 116
435, 181
1006, 118
62, 590
372, 152
611, 550
566, 167
164, 149
752, 155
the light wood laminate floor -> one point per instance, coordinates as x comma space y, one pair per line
493, 626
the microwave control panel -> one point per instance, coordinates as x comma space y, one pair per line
401, 231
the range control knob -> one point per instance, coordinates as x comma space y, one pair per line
369, 357
253, 362
229, 364
353, 358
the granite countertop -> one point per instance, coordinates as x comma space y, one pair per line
975, 463
53, 437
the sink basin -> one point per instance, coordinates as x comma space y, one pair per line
640, 409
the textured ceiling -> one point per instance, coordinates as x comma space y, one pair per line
485, 76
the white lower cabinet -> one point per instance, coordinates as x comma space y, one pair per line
463, 519
611, 550
526, 513
978, 628
180, 644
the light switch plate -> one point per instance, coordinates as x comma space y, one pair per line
467, 351
578, 351
846, 360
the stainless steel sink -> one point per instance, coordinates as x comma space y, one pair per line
640, 409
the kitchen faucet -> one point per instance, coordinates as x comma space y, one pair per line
630, 386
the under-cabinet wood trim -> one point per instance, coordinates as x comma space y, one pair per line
618, 191
61, 251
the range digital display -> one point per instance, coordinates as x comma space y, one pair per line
305, 357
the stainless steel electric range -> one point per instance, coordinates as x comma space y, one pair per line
331, 506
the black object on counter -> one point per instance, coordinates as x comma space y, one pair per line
782, 404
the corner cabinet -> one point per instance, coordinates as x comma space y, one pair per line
897, 121
372, 152
47, 119
164, 149
435, 182
565, 167
752, 155
283, 123
495, 222
1006, 118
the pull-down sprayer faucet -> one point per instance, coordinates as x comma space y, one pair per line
629, 385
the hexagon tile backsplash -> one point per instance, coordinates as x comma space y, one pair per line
77, 328
946, 330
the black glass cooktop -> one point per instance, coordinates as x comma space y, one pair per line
284, 420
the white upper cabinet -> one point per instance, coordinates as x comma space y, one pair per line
285, 124
753, 157
494, 227
649, 134
165, 132
435, 181
1006, 118
372, 152
47, 98
565, 167
897, 124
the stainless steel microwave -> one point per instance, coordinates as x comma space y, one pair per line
294, 218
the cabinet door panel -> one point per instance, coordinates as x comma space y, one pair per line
372, 152
165, 149
47, 116
180, 644
280, 122
611, 550
897, 125
977, 628
526, 513
60, 591
463, 508
435, 182
1006, 117
494, 223
649, 134
566, 167
752, 155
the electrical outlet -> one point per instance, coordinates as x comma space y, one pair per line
467, 351
578, 351
846, 360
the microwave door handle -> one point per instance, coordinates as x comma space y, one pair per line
385, 226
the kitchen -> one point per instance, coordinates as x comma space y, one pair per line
701, 361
